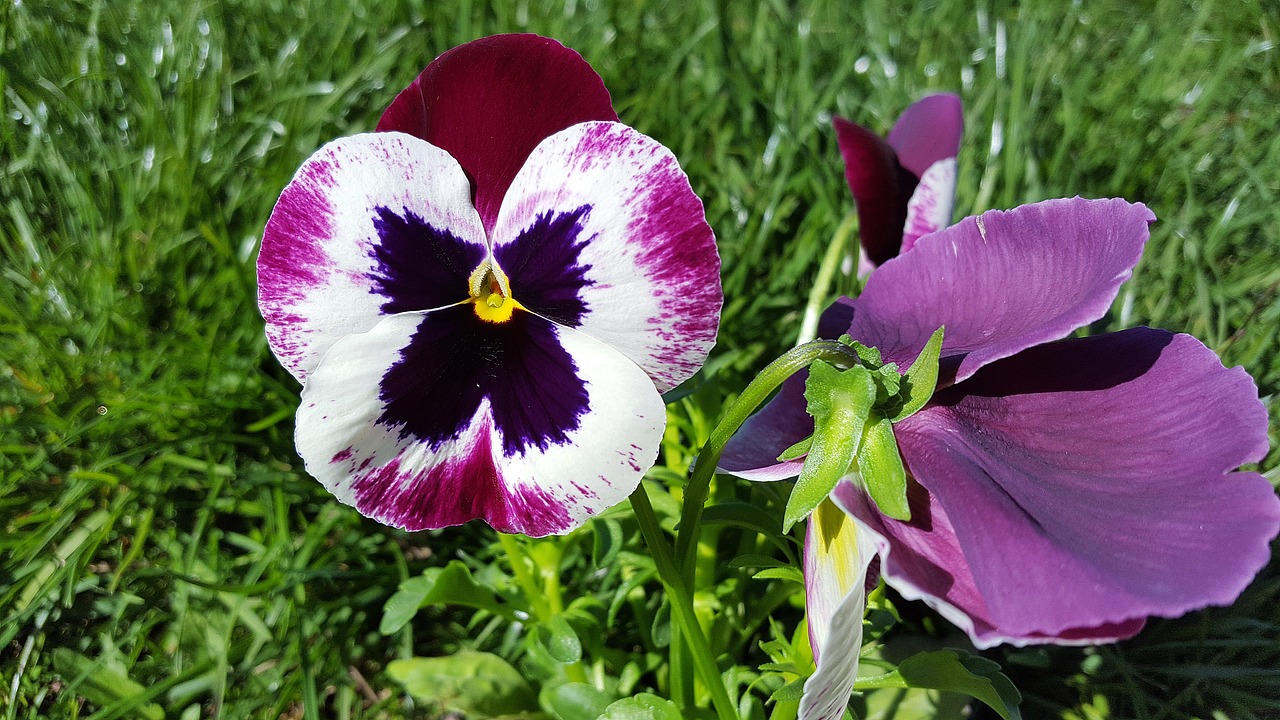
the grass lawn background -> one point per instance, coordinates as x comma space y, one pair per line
161, 550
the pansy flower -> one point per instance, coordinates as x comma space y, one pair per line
1060, 490
485, 299
903, 185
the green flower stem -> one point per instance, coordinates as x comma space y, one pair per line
517, 558
681, 599
836, 252
546, 603
695, 493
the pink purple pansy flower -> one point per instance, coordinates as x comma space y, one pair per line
1061, 490
903, 185
485, 299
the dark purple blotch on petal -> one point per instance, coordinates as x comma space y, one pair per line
419, 267
543, 266
462, 488
455, 360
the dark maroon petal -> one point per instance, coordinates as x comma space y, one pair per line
881, 189
1000, 282
1087, 483
489, 102
928, 131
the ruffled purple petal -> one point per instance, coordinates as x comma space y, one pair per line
489, 103
929, 130
923, 560
999, 282
1081, 486
881, 189
434, 419
369, 226
601, 232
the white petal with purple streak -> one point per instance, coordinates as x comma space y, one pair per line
929, 209
649, 282
318, 267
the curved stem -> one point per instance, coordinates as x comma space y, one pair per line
546, 601
695, 493
681, 598
836, 253
516, 557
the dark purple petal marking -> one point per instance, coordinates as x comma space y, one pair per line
360, 449
544, 267
462, 488
419, 267
455, 361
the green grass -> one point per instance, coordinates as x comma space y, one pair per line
162, 551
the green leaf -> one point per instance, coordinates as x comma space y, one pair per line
953, 671
791, 692
839, 401
660, 630
882, 470
921, 378
452, 585
575, 701
780, 573
608, 541
747, 516
105, 683
644, 706
476, 683
560, 641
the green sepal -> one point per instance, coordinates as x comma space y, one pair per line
882, 470
921, 378
798, 450
839, 401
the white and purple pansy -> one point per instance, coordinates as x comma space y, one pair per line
1062, 489
485, 299
904, 185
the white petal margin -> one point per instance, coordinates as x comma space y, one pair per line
931, 204
837, 552
317, 256
654, 280
403, 482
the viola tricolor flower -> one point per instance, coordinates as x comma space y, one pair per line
485, 299
904, 185
1061, 490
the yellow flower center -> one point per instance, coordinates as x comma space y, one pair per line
491, 293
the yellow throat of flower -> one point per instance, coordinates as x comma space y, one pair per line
491, 293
